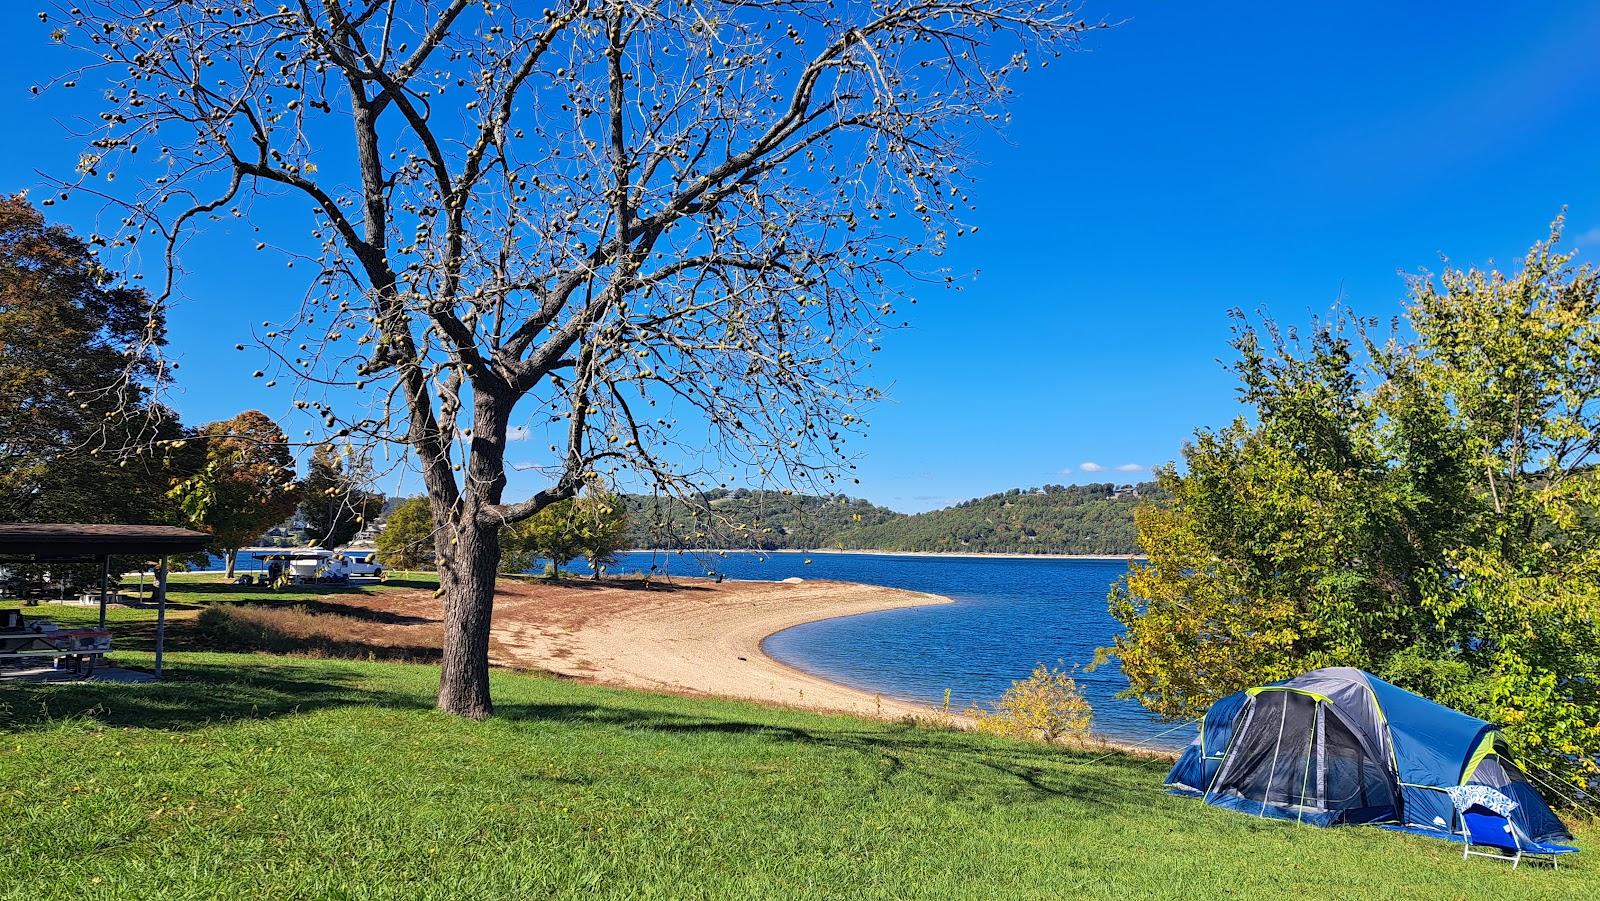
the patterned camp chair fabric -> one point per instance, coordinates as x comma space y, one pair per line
1466, 796
1486, 823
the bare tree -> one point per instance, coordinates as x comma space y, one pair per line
666, 233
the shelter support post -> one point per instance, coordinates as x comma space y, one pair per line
105, 581
161, 612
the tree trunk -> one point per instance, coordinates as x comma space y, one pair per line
229, 557
466, 585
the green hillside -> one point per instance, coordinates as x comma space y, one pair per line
741, 518
1055, 519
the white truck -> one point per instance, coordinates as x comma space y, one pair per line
357, 564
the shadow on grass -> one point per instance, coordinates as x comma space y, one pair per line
197, 695
957, 764
951, 765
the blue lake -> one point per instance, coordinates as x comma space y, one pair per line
1008, 615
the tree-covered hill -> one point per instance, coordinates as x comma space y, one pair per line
742, 518
1055, 519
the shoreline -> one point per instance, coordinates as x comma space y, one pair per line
839, 552
687, 636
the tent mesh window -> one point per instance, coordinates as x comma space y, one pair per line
1271, 761
1355, 785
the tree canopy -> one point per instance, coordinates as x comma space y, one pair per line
406, 540
670, 233
245, 486
593, 526
77, 420
333, 501
1420, 505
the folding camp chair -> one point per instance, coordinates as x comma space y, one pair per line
1486, 822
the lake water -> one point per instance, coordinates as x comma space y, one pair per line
1008, 615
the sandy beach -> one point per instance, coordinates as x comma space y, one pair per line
690, 636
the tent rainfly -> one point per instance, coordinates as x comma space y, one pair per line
98, 543
1341, 746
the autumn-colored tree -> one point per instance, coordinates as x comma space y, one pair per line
406, 540
80, 431
1045, 706
1423, 507
333, 501
246, 485
77, 424
560, 213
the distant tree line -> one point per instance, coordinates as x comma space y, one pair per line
1055, 519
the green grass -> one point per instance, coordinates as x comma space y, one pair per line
283, 777
209, 588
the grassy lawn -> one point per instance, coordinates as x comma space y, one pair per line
190, 593
286, 777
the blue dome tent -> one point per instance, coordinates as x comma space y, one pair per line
1341, 746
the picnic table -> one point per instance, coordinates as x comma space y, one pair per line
21, 639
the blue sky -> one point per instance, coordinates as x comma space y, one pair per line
1197, 157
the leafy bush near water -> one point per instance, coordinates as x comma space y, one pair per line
1045, 706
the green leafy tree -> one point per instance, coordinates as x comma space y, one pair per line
406, 540
602, 526
246, 485
1422, 507
553, 535
593, 526
332, 501
78, 430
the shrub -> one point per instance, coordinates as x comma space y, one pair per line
303, 629
1046, 706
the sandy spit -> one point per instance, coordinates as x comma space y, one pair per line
689, 636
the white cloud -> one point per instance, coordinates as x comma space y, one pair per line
1130, 467
1592, 236
518, 433
1091, 467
